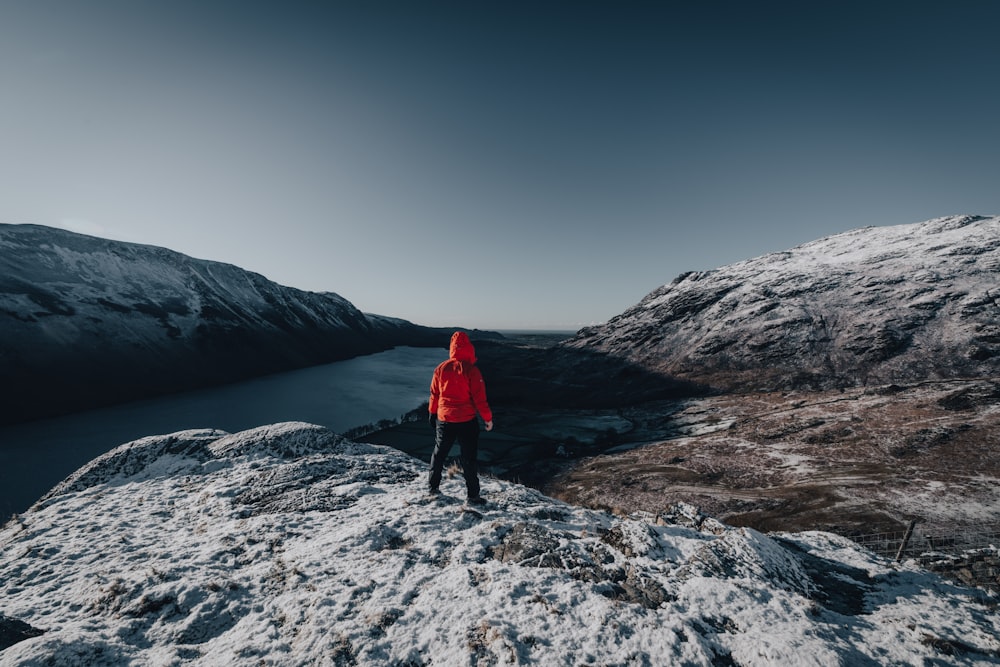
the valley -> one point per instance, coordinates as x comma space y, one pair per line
850, 384
851, 461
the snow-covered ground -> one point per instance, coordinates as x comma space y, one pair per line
288, 545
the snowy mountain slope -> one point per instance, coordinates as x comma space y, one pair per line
288, 545
87, 321
874, 305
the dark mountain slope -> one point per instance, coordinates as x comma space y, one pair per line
86, 321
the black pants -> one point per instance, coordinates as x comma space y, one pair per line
467, 434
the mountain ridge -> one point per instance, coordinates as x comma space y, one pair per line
86, 321
873, 305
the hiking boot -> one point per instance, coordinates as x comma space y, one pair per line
476, 500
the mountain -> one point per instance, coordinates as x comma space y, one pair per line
289, 545
86, 321
872, 306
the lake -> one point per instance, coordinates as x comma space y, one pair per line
37, 455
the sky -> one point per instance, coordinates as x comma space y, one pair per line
501, 165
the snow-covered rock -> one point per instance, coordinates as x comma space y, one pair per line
86, 321
874, 305
288, 545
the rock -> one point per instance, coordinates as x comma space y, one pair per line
13, 631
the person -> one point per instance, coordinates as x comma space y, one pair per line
458, 394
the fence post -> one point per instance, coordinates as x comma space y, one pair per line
906, 540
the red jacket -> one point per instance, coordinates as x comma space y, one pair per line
457, 388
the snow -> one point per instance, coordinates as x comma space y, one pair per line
136, 292
288, 545
875, 305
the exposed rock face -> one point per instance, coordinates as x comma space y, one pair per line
870, 306
13, 631
87, 321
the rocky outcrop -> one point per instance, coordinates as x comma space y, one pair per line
13, 631
870, 306
288, 544
977, 567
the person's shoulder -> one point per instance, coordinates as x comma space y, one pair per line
446, 365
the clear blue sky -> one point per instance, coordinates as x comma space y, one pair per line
494, 164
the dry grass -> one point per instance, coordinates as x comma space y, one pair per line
852, 461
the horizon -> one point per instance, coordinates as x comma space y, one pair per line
509, 166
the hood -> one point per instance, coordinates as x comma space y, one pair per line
461, 348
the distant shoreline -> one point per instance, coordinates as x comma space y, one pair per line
536, 337
541, 332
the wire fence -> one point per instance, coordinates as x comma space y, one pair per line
970, 556
922, 542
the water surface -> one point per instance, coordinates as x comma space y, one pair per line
37, 455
